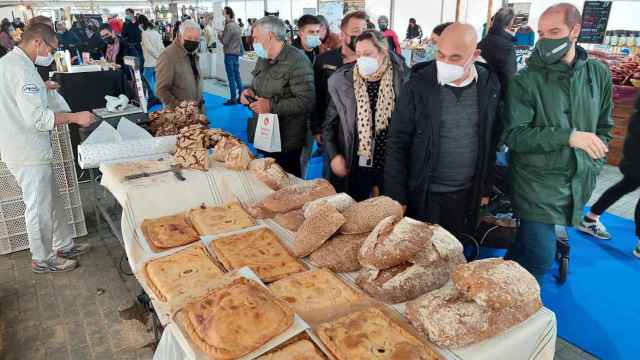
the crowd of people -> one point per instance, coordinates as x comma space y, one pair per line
426, 136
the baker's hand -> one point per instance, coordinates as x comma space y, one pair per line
589, 143
246, 93
318, 138
52, 85
261, 106
84, 118
339, 166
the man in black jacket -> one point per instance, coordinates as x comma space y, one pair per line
132, 34
441, 144
497, 47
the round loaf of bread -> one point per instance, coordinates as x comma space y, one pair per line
238, 158
341, 202
316, 229
391, 244
362, 217
269, 172
339, 254
295, 196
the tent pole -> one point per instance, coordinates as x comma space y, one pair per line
458, 10
489, 12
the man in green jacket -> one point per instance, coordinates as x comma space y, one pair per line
557, 122
283, 85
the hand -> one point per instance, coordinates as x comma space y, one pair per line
484, 201
318, 138
84, 119
261, 106
339, 166
243, 96
52, 85
589, 143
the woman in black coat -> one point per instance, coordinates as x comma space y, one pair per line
630, 168
497, 47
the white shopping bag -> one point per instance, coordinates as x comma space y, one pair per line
267, 136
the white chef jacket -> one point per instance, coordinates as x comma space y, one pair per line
25, 120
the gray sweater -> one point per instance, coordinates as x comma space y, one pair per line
231, 38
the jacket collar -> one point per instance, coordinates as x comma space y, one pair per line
23, 55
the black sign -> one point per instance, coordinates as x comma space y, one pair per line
595, 17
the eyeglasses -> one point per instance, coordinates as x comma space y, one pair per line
53, 48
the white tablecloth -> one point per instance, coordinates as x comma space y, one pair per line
165, 195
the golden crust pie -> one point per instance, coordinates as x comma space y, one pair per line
235, 320
314, 292
370, 334
219, 219
299, 350
174, 275
261, 250
168, 232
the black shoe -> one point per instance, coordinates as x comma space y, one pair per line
230, 102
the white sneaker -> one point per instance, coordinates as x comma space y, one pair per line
53, 265
594, 228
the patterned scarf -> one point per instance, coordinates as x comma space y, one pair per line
113, 50
384, 106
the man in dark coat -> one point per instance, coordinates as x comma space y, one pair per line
497, 47
630, 168
442, 142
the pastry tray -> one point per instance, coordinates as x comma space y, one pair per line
298, 327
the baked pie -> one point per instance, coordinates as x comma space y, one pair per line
236, 320
261, 250
174, 275
168, 232
299, 350
219, 219
370, 334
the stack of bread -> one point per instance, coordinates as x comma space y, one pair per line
403, 259
193, 146
290, 198
483, 299
170, 121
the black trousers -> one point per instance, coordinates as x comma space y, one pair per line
361, 180
289, 160
449, 211
614, 193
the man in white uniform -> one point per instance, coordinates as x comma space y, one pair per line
25, 147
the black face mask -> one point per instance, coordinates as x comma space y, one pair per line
190, 45
352, 43
108, 40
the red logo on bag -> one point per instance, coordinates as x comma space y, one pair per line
266, 121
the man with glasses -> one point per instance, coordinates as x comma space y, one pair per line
26, 149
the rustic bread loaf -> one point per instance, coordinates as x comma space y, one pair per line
341, 202
238, 158
458, 314
269, 172
393, 243
295, 196
321, 224
340, 253
291, 220
223, 146
362, 217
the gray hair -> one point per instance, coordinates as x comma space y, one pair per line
273, 25
189, 25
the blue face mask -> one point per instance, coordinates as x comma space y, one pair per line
261, 52
313, 41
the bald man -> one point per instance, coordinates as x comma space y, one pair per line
558, 117
441, 144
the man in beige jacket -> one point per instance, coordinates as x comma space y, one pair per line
177, 71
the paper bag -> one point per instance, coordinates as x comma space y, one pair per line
267, 136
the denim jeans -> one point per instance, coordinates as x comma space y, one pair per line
232, 66
150, 75
534, 248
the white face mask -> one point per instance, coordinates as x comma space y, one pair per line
448, 73
367, 66
43, 60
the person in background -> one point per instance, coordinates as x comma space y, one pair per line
152, 47
241, 25
330, 41
290, 31
26, 149
497, 47
308, 39
5, 35
209, 32
414, 31
630, 168
362, 102
390, 35
525, 36
176, 29
246, 35
442, 141
115, 48
67, 39
291, 97
231, 39
177, 72
557, 123
40, 19
132, 34
116, 24
431, 48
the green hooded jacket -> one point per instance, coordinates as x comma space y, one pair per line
550, 181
